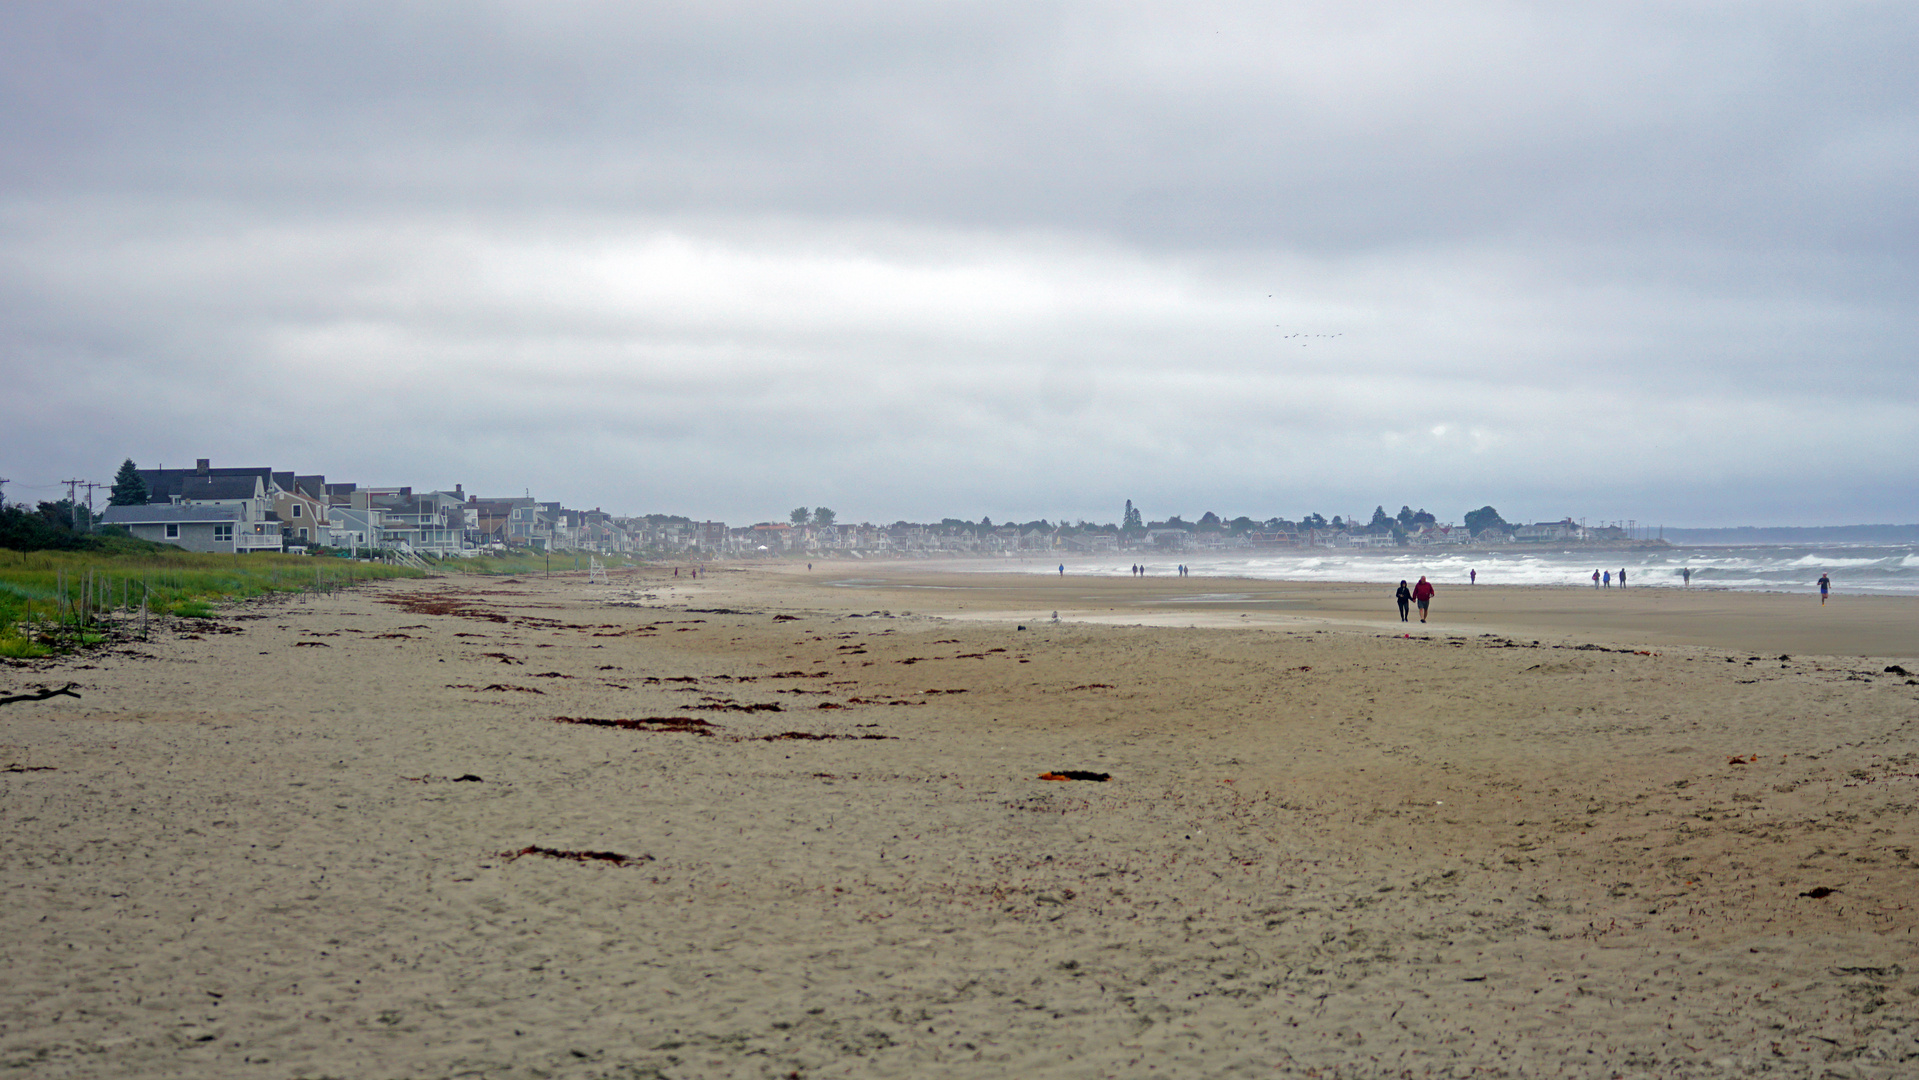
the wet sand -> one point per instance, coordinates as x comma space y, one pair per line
1755, 622
1644, 846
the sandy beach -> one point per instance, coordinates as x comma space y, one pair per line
778, 823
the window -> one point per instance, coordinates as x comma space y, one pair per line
303, 532
173, 531
296, 509
223, 534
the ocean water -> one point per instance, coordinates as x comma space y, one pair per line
1885, 570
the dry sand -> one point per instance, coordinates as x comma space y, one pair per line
1325, 849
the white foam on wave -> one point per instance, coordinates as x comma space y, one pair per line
1828, 562
1890, 571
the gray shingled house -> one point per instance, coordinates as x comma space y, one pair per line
195, 528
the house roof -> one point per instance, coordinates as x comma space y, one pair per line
163, 485
202, 488
175, 515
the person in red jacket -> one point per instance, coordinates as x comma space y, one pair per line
1423, 595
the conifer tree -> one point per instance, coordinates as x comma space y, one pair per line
129, 487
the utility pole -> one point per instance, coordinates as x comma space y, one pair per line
73, 504
90, 485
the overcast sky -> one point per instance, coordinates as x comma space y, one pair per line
911, 260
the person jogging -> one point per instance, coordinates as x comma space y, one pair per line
1825, 586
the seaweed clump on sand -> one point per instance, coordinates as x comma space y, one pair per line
613, 857
686, 725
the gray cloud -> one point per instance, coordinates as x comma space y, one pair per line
1651, 261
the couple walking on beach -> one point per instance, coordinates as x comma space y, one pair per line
1421, 594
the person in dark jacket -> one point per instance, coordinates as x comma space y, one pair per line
1405, 598
1423, 595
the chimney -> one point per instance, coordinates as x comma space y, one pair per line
202, 465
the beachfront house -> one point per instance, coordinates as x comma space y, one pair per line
1548, 532
424, 523
302, 508
1169, 539
492, 521
353, 528
194, 528
256, 524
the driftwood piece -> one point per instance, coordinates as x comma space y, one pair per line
42, 695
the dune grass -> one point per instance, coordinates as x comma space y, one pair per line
51, 600
527, 561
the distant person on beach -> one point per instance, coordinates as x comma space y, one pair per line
1609, 579
1622, 577
1472, 577
1825, 586
1685, 574
1595, 579
1062, 569
1405, 598
1423, 595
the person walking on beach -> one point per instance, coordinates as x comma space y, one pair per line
1609, 579
1405, 598
1423, 595
1685, 574
1622, 577
1595, 579
1062, 569
1825, 586
1472, 577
